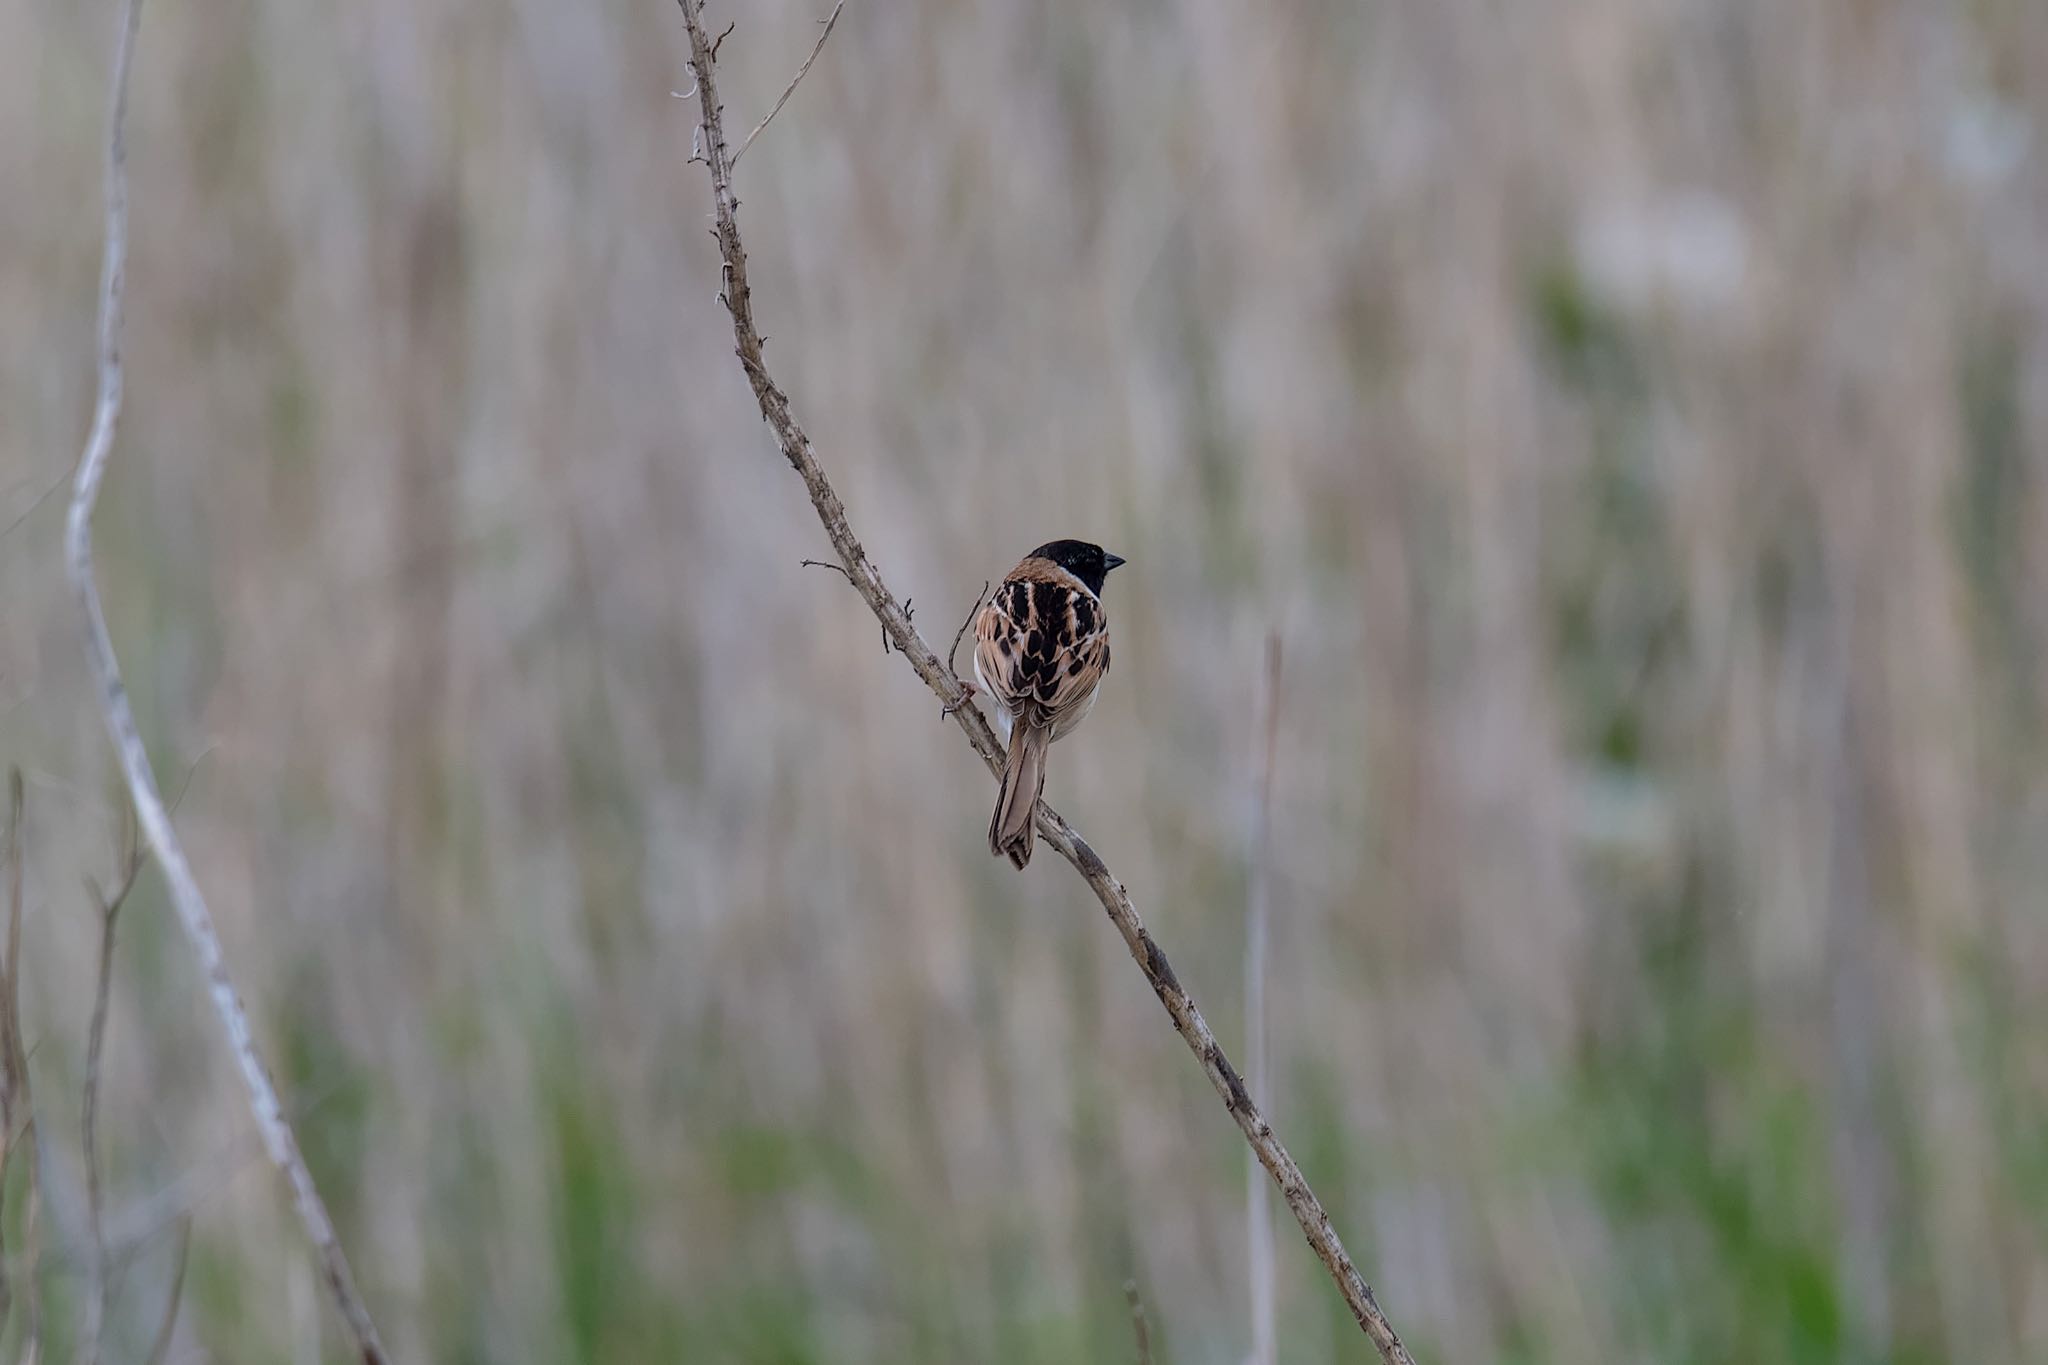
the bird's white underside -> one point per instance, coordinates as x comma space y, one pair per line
1003, 718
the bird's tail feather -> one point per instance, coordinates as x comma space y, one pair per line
1010, 828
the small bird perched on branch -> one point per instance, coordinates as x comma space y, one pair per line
1041, 647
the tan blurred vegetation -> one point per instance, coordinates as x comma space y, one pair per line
1632, 416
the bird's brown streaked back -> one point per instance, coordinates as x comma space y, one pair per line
1041, 649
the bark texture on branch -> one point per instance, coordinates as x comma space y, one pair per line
278, 1138
1052, 827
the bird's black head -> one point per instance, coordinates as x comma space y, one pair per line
1089, 563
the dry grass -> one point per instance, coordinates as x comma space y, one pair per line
1631, 417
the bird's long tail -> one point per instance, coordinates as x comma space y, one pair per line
1010, 829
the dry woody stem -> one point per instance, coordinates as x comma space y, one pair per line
1258, 900
898, 631
132, 859
17, 1118
167, 1327
1141, 1331
197, 921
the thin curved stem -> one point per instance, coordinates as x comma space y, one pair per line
197, 921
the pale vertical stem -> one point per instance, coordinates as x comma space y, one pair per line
10, 1135
95, 1049
17, 1105
1258, 899
193, 915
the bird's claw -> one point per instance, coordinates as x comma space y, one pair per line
967, 690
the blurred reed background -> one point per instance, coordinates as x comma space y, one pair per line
1631, 414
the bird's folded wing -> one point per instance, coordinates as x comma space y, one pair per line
1042, 646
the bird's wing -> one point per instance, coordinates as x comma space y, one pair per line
1041, 644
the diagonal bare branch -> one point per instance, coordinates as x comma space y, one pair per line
867, 581
278, 1138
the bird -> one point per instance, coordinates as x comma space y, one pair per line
1041, 648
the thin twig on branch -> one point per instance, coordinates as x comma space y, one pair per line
821, 564
197, 921
789, 89
965, 622
867, 581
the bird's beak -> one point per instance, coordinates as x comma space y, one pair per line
1110, 561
